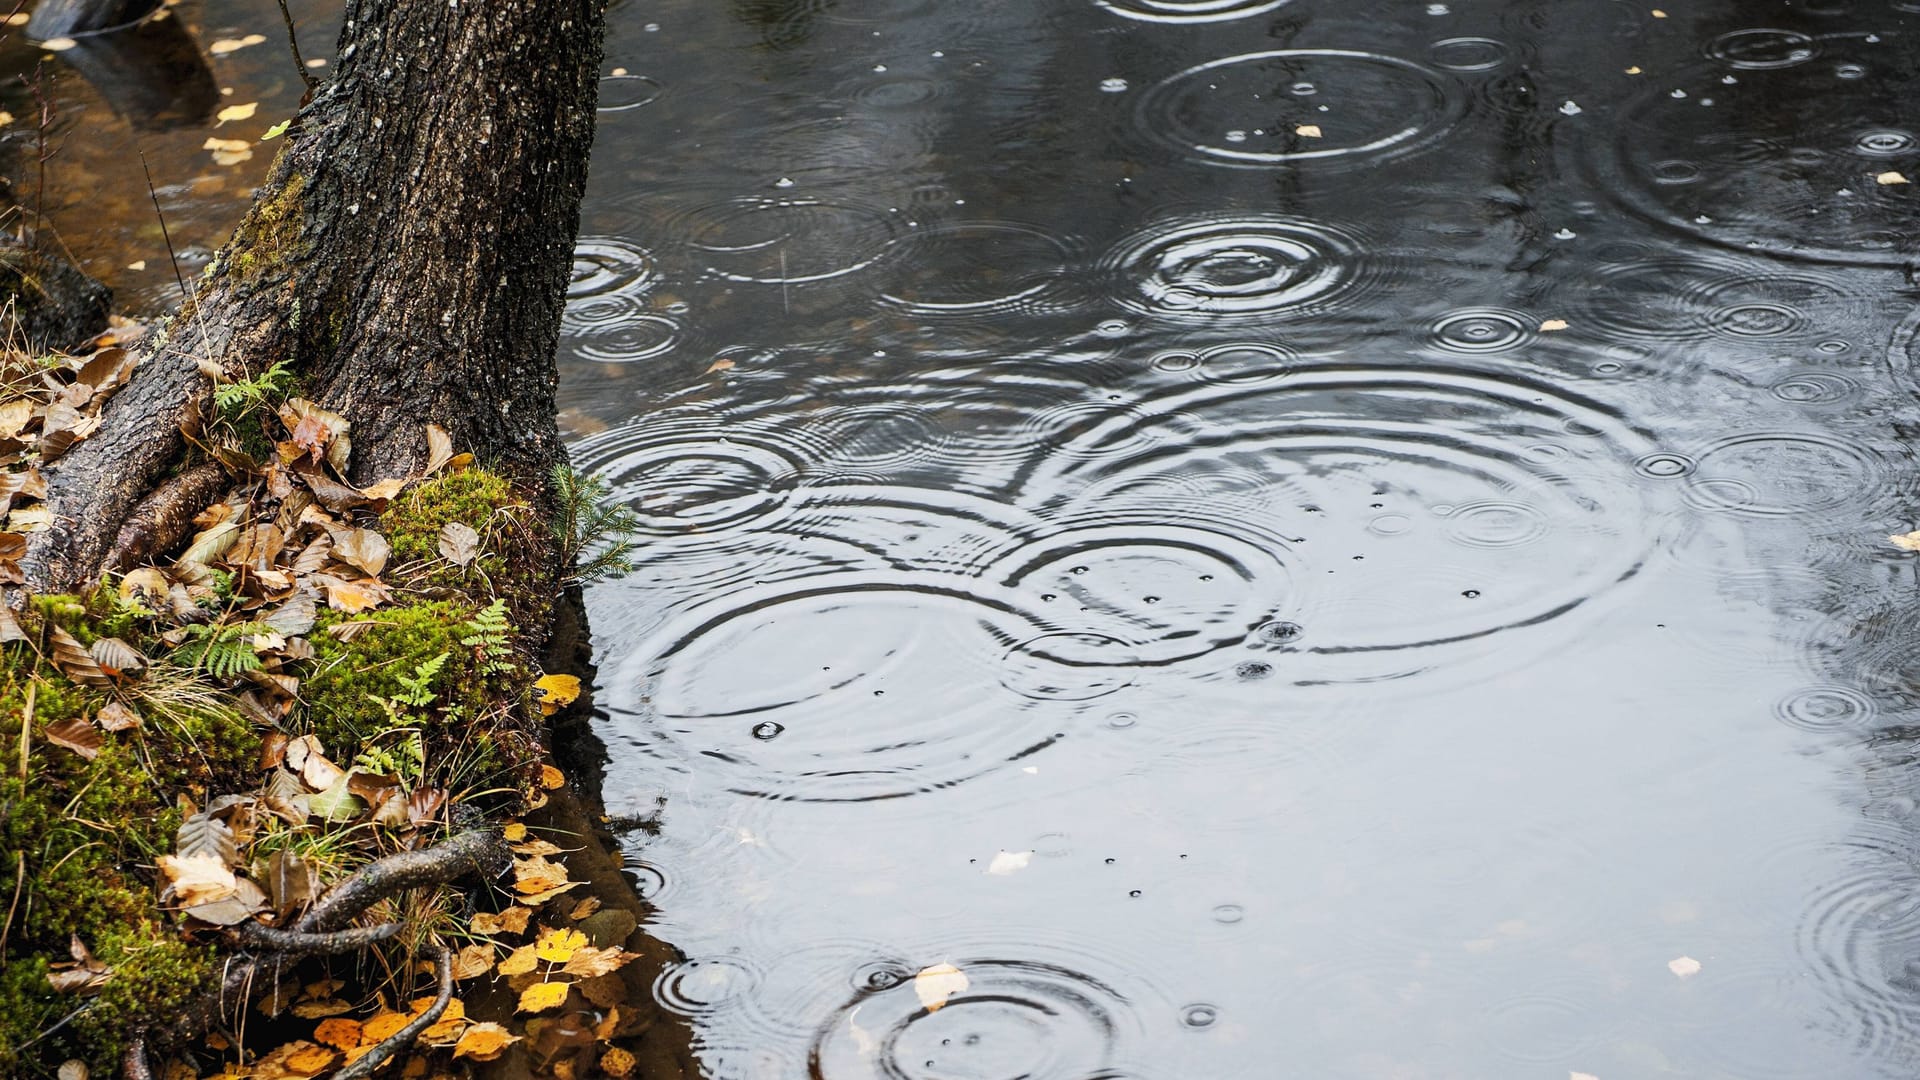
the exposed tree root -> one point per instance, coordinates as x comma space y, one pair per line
133, 1063
481, 851
164, 518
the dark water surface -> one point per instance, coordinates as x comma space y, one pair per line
1047, 447
1168, 564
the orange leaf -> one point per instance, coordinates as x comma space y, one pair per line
484, 1042
520, 962
339, 1032
617, 1063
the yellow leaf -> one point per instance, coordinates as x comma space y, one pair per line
236, 112
339, 1032
522, 961
1308, 131
543, 996
608, 1024
934, 985
556, 692
59, 44
1554, 324
484, 1042
551, 778
1890, 177
558, 945
515, 831
1909, 542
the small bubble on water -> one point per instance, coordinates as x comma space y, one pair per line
1113, 86
1471, 594
783, 182
1110, 862
1236, 136
1278, 632
1571, 108
1199, 1016
1229, 914
1252, 670
1121, 721
1304, 89
1077, 571
767, 731
652, 28
1135, 893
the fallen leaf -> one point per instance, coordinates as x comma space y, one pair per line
276, 130
1684, 966
384, 1026
58, 44
236, 112
484, 1042
78, 735
473, 962
511, 921
74, 661
459, 543
591, 963
439, 448
718, 365
537, 875
556, 692
1908, 542
934, 985
363, 548
543, 996
551, 778
608, 1024
1889, 178
341, 1034
1551, 325
228, 45
584, 908
615, 1062
520, 961
229, 151
558, 946
198, 879
117, 716
514, 831
75, 1069
1007, 862
1308, 131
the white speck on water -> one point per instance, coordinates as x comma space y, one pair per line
1702, 219
1438, 9
879, 67
1564, 234
937, 54
1570, 108
1873, 39
1113, 86
1678, 93
652, 28
1236, 136
1706, 101
783, 182
1729, 79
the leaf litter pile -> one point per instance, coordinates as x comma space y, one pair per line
236, 754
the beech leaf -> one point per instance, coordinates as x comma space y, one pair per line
459, 543
77, 735
934, 985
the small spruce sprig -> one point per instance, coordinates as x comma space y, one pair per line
595, 533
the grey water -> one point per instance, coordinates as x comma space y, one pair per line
1279, 537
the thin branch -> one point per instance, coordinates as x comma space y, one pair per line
293, 43
480, 850
364, 1065
291, 943
173, 260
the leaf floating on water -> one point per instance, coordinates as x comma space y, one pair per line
520, 961
484, 1042
59, 44
1891, 177
229, 151
228, 45
339, 1033
236, 112
934, 985
558, 945
1308, 131
556, 692
1684, 966
1908, 542
1550, 325
1008, 862
277, 130
543, 996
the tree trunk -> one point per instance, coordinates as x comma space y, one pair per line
407, 258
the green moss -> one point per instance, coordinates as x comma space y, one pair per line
472, 497
271, 236
352, 677
85, 833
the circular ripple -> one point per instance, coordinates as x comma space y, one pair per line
631, 339
1775, 166
619, 93
1815, 388
696, 987
1680, 299
1759, 49
1242, 363
980, 268
1189, 11
1305, 467
1200, 270
601, 311
1469, 54
683, 477
1826, 709
846, 663
1014, 1019
1776, 473
606, 264
1859, 937
785, 241
1482, 330
1069, 666
1247, 110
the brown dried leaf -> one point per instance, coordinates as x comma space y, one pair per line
511, 921
439, 448
423, 804
74, 661
116, 657
584, 908
10, 625
473, 962
290, 881
203, 834
314, 558
459, 543
536, 875
118, 716
198, 879
362, 548
589, 962
77, 735
352, 597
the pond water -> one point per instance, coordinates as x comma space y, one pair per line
1278, 537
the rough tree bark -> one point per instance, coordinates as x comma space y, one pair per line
407, 257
